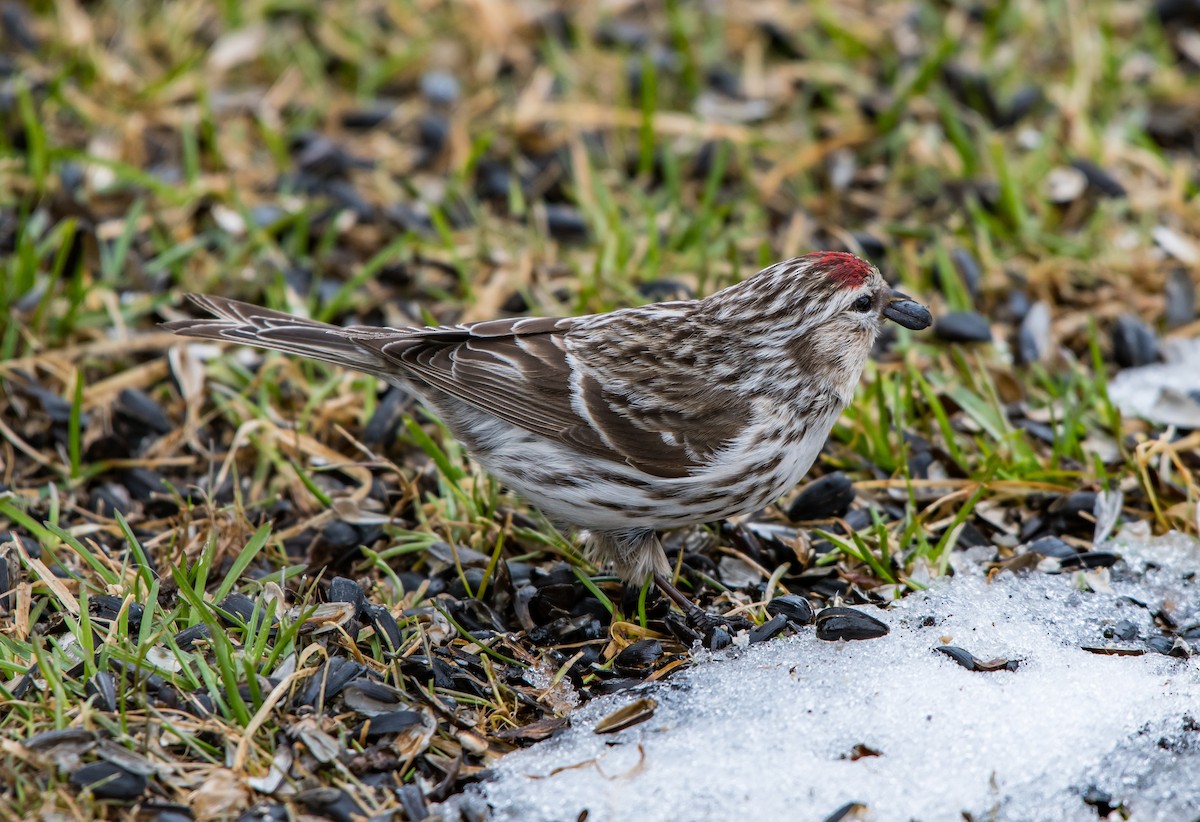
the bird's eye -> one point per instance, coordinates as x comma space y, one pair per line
863, 304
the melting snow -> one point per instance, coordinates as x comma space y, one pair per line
776, 730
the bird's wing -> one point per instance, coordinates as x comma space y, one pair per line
523, 371
605, 400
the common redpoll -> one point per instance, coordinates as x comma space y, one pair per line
634, 420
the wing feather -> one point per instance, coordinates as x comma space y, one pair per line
550, 376
522, 371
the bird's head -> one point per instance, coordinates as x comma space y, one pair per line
827, 291
822, 311
856, 297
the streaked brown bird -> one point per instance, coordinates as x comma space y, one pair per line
640, 419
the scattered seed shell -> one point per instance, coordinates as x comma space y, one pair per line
1115, 650
1170, 646
1065, 184
627, 716
327, 616
534, 731
371, 697
972, 663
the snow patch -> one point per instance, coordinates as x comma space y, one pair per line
780, 729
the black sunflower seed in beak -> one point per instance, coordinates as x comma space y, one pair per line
907, 312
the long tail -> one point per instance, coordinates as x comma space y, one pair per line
248, 324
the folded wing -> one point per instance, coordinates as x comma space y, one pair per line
522, 371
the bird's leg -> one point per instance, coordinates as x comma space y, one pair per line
698, 618
691, 610
638, 553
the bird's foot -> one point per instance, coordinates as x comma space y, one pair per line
718, 631
715, 631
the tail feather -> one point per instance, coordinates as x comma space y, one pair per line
248, 324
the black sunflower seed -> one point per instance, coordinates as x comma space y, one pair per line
1180, 298
340, 535
848, 623
638, 657
968, 271
565, 222
371, 697
1090, 559
1134, 344
342, 589
829, 496
719, 639
138, 407
973, 89
1052, 547
796, 609
1020, 105
433, 130
236, 609
1033, 335
332, 803
102, 688
109, 500
412, 800
144, 484
364, 119
616, 685
392, 722
10, 573
962, 327
385, 423
1170, 646
1099, 179
385, 625
48, 740
1124, 630
769, 629
108, 781
188, 637
330, 680
1101, 800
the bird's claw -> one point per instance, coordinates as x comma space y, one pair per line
717, 631
713, 631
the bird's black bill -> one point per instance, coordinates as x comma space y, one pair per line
907, 312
